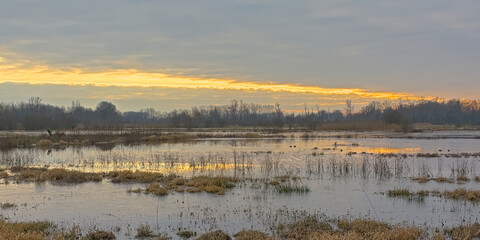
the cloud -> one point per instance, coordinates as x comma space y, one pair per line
42, 74
421, 47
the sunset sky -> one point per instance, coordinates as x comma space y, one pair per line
179, 54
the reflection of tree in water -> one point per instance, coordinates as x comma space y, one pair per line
105, 146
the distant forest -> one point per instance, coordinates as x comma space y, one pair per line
35, 115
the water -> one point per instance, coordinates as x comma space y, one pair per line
341, 184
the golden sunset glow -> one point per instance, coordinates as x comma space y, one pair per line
42, 74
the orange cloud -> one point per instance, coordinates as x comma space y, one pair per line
42, 74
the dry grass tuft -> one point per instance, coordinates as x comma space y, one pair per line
399, 193
471, 231
134, 177
156, 189
7, 205
67, 176
462, 178
463, 194
55, 175
251, 235
144, 231
215, 235
100, 235
421, 179
302, 229
45, 143
24, 230
443, 179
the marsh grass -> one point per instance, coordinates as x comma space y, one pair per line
470, 231
251, 235
463, 194
399, 193
7, 205
54, 175
134, 177
215, 235
216, 185
186, 234
313, 229
3, 174
100, 235
156, 189
45, 143
144, 231
292, 188
457, 194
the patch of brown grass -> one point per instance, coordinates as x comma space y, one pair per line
156, 189
471, 231
302, 229
251, 235
364, 227
211, 184
274, 182
443, 179
45, 143
68, 176
55, 175
29, 174
100, 235
421, 179
24, 230
215, 235
463, 194
7, 205
134, 177
462, 178
399, 193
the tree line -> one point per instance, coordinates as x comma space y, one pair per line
35, 115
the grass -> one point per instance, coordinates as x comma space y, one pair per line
462, 178
7, 205
399, 193
443, 180
54, 175
215, 235
134, 177
463, 194
144, 231
312, 228
186, 234
251, 235
45, 143
156, 189
100, 235
292, 188
457, 194
470, 231
216, 185
421, 179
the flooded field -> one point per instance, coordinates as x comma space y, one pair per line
276, 180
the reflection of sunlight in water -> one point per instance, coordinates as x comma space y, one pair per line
158, 168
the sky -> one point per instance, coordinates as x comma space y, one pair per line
179, 54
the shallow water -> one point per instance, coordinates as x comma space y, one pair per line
341, 185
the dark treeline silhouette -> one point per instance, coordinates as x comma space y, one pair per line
35, 115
